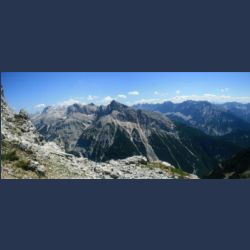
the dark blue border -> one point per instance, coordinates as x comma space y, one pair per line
124, 36
124, 214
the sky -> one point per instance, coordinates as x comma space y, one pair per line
34, 91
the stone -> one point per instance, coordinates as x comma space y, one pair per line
136, 160
167, 164
36, 167
41, 169
114, 175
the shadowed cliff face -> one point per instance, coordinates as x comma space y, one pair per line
237, 167
120, 131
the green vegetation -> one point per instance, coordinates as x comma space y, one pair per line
15, 162
179, 172
13, 156
24, 164
210, 150
172, 170
10, 156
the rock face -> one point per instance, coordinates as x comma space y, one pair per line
120, 131
64, 124
117, 131
215, 120
26, 154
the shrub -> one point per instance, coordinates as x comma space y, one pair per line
23, 164
174, 171
10, 156
179, 171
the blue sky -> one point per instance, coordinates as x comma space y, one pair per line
34, 91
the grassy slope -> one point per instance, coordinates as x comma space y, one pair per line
15, 163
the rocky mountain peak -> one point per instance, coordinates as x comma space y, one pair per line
46, 109
83, 109
74, 108
114, 105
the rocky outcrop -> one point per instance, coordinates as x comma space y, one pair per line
26, 154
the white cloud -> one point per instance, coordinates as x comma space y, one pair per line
209, 95
149, 100
211, 98
69, 102
135, 92
122, 96
156, 93
39, 106
178, 92
107, 99
92, 97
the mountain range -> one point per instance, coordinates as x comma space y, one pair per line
212, 119
193, 136
167, 140
26, 154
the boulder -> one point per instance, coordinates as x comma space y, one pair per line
36, 167
167, 164
136, 160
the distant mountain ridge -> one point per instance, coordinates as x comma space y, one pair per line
212, 119
238, 109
